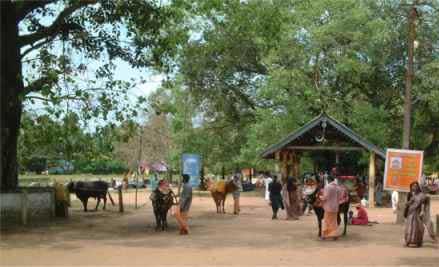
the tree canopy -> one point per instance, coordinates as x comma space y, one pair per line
257, 70
239, 74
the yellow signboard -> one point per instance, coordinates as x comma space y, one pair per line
402, 168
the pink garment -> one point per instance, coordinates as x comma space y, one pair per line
331, 196
343, 194
362, 218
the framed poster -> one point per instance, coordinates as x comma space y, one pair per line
191, 165
402, 168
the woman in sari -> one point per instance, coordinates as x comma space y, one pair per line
362, 218
416, 212
291, 199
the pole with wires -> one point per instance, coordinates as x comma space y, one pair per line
183, 147
139, 164
412, 17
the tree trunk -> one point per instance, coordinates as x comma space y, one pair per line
11, 98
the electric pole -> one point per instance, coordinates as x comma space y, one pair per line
412, 16
139, 162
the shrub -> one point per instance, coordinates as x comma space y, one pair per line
37, 165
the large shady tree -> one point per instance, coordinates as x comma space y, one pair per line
35, 64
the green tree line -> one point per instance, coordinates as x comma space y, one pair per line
239, 74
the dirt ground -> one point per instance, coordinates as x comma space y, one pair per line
108, 238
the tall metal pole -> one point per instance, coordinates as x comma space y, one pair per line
413, 14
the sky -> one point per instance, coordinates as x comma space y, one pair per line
153, 79
123, 70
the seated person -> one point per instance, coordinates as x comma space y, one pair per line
164, 187
162, 190
361, 218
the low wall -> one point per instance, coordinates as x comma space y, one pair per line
27, 205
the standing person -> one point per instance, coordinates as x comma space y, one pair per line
267, 182
275, 189
360, 188
416, 210
236, 194
395, 201
185, 204
325, 178
331, 195
291, 199
305, 209
379, 193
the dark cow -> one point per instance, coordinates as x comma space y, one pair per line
161, 203
84, 190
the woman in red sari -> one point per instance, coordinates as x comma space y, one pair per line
361, 218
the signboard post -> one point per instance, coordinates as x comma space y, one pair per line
403, 167
191, 165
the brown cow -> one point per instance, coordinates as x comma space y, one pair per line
220, 197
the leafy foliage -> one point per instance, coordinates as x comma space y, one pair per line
243, 74
260, 69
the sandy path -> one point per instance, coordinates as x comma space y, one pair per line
251, 239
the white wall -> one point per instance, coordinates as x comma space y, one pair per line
37, 204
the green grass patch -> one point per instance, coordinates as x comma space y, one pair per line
27, 179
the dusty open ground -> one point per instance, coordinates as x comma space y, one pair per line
251, 239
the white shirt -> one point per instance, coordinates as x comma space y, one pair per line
267, 181
364, 202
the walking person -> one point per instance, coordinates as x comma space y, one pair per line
379, 193
416, 211
267, 182
185, 204
308, 188
395, 201
291, 199
275, 189
236, 194
330, 198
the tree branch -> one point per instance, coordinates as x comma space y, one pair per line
36, 46
36, 85
58, 25
69, 97
38, 98
27, 7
